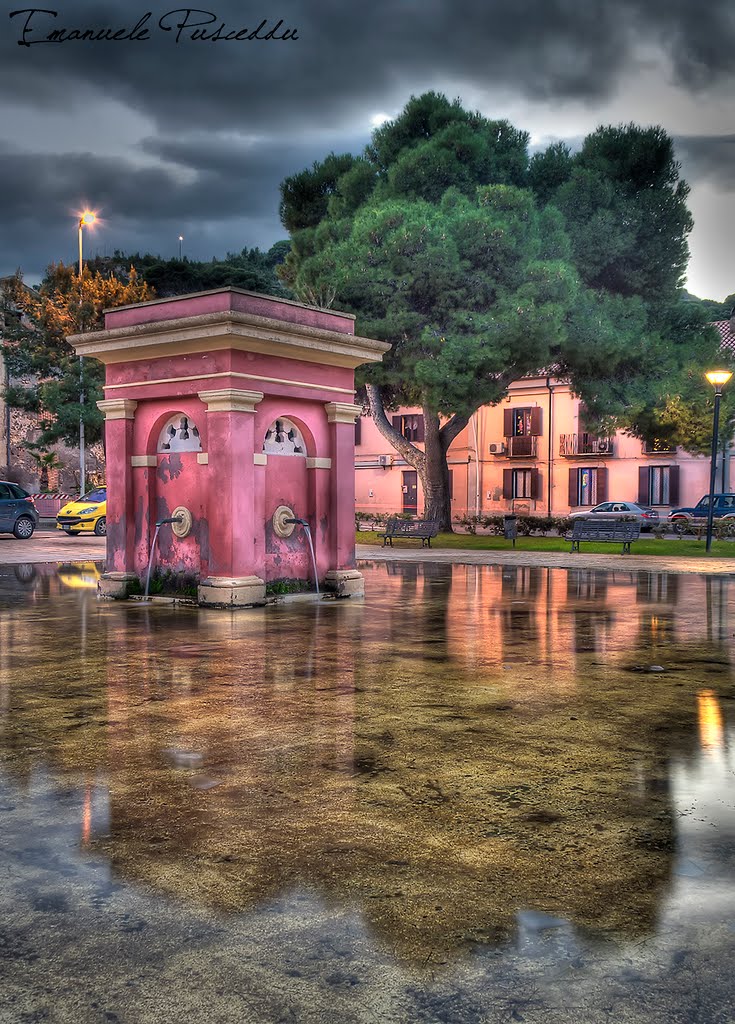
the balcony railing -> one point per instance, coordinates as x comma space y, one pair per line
523, 447
585, 444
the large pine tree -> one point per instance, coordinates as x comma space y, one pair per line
480, 265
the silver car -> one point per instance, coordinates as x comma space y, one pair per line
647, 517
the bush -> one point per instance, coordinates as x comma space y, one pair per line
168, 583
287, 585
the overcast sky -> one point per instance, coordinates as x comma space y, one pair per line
168, 135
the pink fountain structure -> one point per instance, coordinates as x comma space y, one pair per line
234, 413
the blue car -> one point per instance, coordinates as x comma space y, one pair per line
723, 508
17, 512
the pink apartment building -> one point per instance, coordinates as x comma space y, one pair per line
533, 454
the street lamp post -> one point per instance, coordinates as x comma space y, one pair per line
718, 379
86, 220
181, 242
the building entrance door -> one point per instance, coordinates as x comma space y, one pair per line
410, 491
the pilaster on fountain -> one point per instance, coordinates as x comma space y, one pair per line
232, 405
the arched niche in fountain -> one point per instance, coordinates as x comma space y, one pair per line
179, 434
283, 437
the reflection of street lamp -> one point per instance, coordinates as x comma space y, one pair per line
718, 379
87, 219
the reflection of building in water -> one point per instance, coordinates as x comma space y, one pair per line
387, 755
657, 587
587, 585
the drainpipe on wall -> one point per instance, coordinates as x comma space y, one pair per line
551, 442
473, 420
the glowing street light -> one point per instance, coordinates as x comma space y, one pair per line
718, 379
181, 241
86, 220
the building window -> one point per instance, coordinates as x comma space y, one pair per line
358, 430
658, 485
521, 483
410, 427
522, 422
587, 485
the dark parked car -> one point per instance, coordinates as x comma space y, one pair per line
17, 512
621, 510
723, 508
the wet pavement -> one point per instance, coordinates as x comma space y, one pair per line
50, 545
485, 793
614, 561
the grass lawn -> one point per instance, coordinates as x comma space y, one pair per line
685, 548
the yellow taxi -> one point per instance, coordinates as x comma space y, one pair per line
87, 514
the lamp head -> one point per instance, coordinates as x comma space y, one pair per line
718, 378
87, 219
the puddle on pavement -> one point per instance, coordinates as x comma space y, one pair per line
483, 794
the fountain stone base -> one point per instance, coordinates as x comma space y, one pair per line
231, 592
117, 585
344, 583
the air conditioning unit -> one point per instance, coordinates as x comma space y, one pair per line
604, 446
385, 460
498, 448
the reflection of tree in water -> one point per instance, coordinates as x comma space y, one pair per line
420, 598
592, 629
656, 631
520, 588
255, 755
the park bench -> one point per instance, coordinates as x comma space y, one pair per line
609, 530
425, 529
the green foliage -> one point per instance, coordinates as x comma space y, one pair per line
527, 526
479, 266
169, 583
35, 345
288, 585
250, 269
626, 211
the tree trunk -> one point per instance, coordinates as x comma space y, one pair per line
435, 475
431, 464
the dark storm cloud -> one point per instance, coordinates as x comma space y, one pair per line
222, 194
708, 158
347, 55
211, 128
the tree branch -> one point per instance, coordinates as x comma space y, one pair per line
451, 429
413, 456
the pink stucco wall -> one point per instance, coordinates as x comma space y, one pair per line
229, 487
327, 383
478, 475
229, 300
